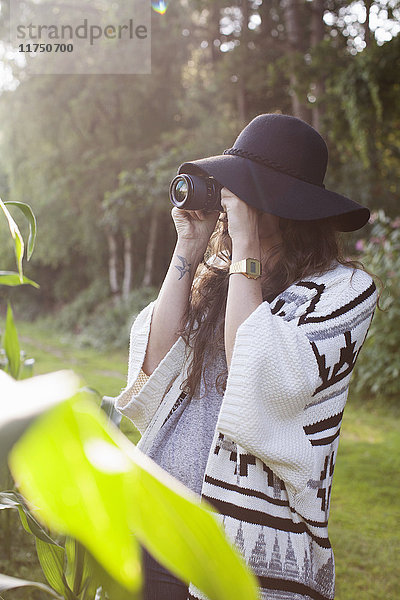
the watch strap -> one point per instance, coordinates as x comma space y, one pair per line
250, 267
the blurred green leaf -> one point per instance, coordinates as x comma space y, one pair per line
13, 279
17, 237
91, 483
22, 401
27, 211
75, 497
11, 345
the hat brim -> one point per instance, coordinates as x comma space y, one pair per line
277, 193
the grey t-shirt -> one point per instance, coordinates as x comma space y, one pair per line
182, 445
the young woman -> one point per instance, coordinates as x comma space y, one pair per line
238, 380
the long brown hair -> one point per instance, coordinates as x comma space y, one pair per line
307, 248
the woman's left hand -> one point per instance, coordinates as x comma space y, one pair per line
242, 219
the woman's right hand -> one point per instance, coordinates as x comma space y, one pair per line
194, 225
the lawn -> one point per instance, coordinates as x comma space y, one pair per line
104, 371
365, 508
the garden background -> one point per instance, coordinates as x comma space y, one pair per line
94, 155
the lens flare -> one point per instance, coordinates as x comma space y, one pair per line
160, 6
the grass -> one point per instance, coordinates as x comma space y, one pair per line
103, 371
365, 511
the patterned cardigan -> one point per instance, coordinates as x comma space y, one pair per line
270, 466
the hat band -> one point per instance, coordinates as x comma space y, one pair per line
269, 163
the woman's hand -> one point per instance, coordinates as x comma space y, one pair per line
194, 225
242, 219
244, 294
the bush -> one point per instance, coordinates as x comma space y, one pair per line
74, 316
97, 321
378, 366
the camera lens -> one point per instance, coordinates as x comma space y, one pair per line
180, 190
195, 192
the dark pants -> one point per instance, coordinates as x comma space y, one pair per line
158, 583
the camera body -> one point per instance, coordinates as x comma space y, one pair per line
196, 192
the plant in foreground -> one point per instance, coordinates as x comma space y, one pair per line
83, 479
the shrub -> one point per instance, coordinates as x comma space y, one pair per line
98, 321
378, 367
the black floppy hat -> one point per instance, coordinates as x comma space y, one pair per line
278, 164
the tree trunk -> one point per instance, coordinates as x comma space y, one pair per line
151, 249
367, 29
293, 31
113, 262
214, 30
127, 281
242, 103
317, 36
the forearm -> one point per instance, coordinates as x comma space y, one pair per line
244, 294
171, 303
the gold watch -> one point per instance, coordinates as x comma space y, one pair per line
250, 267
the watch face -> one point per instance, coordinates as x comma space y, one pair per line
253, 267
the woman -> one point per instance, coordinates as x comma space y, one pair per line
240, 383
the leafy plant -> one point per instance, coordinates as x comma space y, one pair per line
84, 479
378, 371
16, 234
12, 359
97, 322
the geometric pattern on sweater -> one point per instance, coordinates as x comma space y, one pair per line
270, 467
265, 519
286, 568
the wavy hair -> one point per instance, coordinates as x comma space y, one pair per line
307, 248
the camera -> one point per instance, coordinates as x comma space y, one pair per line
196, 192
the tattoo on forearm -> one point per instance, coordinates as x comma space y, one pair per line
185, 268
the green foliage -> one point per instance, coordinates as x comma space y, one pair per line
11, 345
96, 321
365, 512
27, 211
13, 279
378, 366
361, 100
12, 359
17, 237
73, 317
361, 120
110, 323
71, 460
23, 401
123, 137
65, 565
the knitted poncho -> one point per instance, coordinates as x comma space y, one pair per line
270, 467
